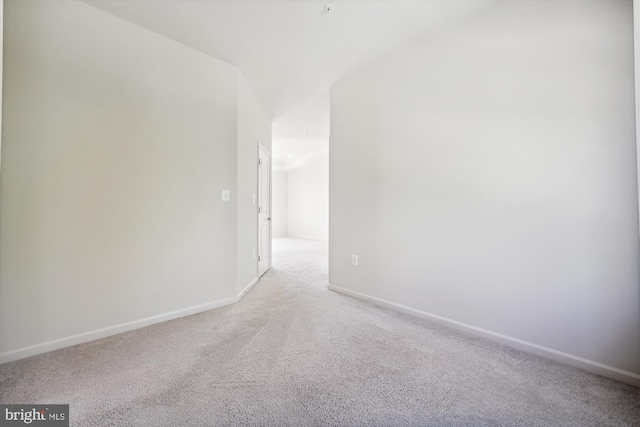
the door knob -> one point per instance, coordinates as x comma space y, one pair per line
268, 219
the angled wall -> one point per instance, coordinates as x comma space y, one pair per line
116, 145
254, 128
486, 177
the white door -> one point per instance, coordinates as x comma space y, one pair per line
264, 212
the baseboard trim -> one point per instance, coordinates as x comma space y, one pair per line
247, 289
576, 361
45, 347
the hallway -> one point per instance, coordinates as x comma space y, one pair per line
293, 353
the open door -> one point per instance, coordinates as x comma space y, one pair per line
264, 211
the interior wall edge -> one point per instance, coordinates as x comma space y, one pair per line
549, 353
47, 346
246, 290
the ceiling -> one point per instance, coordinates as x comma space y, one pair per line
291, 50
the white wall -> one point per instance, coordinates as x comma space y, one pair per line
1, 50
117, 143
309, 119
636, 45
254, 128
280, 203
487, 175
308, 197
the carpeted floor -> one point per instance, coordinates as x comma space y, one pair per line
292, 353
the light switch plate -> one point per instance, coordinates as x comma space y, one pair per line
226, 195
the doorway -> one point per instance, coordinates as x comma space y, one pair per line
300, 177
300, 188
264, 211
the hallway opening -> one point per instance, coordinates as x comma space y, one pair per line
300, 171
300, 188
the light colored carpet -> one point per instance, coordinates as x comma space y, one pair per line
292, 353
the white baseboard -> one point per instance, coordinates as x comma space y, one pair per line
247, 289
45, 347
579, 362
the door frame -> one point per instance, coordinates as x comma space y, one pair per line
268, 153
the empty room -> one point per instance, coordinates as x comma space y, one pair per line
319, 213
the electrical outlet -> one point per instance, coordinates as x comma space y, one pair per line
354, 259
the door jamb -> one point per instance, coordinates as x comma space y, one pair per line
263, 148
